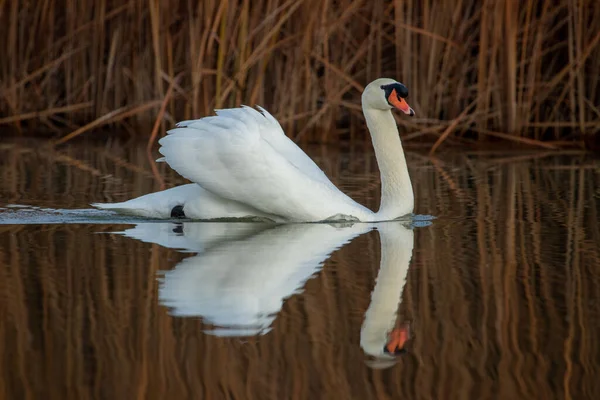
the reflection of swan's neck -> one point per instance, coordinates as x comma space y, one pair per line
396, 252
396, 190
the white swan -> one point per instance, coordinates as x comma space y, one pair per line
246, 272
243, 165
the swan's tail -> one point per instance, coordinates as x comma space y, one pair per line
128, 208
164, 204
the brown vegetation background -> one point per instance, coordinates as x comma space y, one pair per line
525, 71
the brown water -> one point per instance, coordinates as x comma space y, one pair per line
502, 293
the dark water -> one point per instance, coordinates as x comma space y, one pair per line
501, 292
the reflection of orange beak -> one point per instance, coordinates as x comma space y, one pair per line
400, 103
397, 339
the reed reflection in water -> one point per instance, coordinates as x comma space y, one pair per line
502, 291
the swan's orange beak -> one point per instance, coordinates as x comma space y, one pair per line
397, 339
400, 103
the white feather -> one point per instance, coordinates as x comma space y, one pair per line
244, 156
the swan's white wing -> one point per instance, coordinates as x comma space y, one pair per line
273, 134
242, 155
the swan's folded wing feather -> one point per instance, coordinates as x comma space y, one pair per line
247, 119
239, 156
273, 134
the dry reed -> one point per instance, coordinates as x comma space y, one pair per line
476, 70
504, 299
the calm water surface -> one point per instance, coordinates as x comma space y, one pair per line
501, 292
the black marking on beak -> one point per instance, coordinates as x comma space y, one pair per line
401, 90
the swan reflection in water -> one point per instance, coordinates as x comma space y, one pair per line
242, 274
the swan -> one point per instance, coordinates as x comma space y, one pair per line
242, 165
243, 274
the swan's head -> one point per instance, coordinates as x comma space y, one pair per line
385, 94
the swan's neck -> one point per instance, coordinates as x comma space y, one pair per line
397, 197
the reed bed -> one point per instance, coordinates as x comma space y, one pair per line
523, 71
503, 300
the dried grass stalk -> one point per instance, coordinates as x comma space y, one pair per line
529, 68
